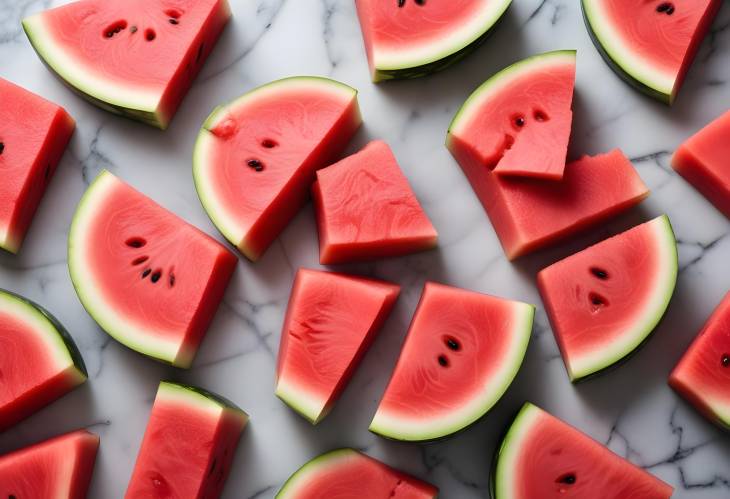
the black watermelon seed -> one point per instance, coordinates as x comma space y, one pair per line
146, 273
453, 344
172, 20
665, 7
133, 29
600, 273
255, 164
156, 276
2, 147
725, 360
670, 11
140, 260
597, 300
443, 361
135, 242
172, 279
568, 478
420, 2
520, 121
269, 143
401, 3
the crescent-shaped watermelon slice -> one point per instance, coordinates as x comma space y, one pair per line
604, 302
543, 457
349, 474
59, 468
136, 58
462, 352
148, 278
39, 361
255, 159
650, 44
702, 376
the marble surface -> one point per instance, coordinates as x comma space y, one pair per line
631, 409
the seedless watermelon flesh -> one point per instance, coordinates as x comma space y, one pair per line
703, 161
412, 38
189, 445
136, 58
255, 159
39, 362
703, 374
330, 323
518, 122
59, 468
33, 136
148, 278
349, 474
367, 210
541, 456
650, 44
462, 352
605, 301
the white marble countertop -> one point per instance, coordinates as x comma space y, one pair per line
631, 409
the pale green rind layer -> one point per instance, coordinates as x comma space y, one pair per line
199, 398
313, 409
396, 428
311, 469
8, 243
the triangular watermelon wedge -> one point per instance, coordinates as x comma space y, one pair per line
136, 58
59, 468
367, 210
330, 323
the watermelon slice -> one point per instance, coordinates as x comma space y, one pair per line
462, 351
413, 38
330, 322
367, 210
136, 58
650, 44
543, 457
40, 361
703, 374
148, 278
59, 468
702, 161
347, 473
255, 158
33, 136
189, 444
600, 307
518, 122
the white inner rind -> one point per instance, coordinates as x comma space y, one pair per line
177, 394
301, 478
506, 479
7, 242
307, 404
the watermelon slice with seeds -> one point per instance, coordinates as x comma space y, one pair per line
367, 210
136, 58
349, 474
39, 361
605, 301
462, 352
255, 159
189, 444
59, 468
148, 278
33, 136
543, 457
330, 323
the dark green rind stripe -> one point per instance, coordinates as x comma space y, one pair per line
218, 399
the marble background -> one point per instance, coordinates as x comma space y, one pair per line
632, 409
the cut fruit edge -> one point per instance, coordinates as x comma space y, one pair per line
204, 400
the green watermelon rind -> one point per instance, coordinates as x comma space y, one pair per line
310, 468
201, 397
296, 399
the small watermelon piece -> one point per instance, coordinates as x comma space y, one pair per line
650, 44
518, 122
33, 136
703, 374
600, 307
544, 457
59, 468
136, 58
703, 161
148, 278
255, 159
413, 38
349, 474
39, 359
189, 444
367, 210
462, 352
330, 323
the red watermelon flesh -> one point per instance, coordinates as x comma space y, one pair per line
330, 323
189, 445
256, 158
462, 351
137, 58
703, 161
148, 278
59, 468
604, 301
543, 457
349, 474
367, 210
33, 136
703, 374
